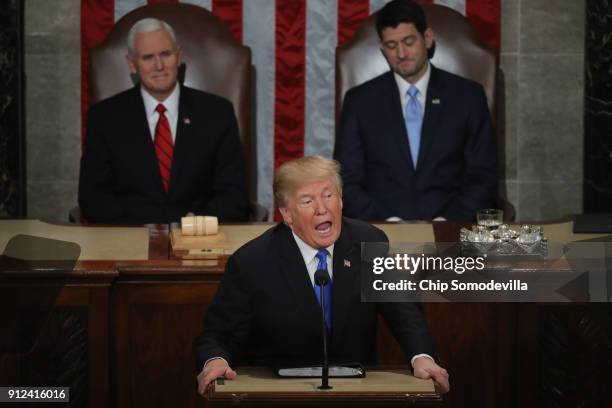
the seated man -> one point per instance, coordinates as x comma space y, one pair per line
160, 150
415, 142
266, 311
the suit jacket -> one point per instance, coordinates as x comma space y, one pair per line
456, 166
265, 311
120, 180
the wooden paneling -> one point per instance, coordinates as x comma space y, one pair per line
567, 355
475, 343
56, 336
155, 325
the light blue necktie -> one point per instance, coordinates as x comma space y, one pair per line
322, 257
414, 121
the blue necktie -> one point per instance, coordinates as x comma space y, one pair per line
414, 121
322, 257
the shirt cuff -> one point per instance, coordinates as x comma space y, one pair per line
394, 219
411, 360
213, 358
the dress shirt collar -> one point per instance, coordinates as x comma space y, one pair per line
421, 84
308, 252
171, 103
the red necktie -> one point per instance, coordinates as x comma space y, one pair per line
163, 146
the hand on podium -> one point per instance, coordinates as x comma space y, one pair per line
425, 368
212, 370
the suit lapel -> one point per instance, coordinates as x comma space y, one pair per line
141, 130
433, 106
293, 269
184, 138
346, 264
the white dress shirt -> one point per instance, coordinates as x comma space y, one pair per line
310, 259
421, 85
171, 103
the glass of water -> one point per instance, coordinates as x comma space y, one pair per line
491, 218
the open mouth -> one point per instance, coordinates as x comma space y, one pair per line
324, 227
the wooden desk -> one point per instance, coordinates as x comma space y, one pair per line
380, 388
55, 330
120, 334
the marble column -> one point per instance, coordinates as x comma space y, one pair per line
12, 159
598, 107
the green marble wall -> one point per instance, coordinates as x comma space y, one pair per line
598, 107
12, 158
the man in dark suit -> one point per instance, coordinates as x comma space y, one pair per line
160, 150
266, 310
415, 142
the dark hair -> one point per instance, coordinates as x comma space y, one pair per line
400, 11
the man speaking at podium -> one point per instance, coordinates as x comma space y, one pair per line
266, 310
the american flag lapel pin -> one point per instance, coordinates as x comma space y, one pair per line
347, 263
187, 121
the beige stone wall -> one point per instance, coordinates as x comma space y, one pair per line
53, 92
542, 57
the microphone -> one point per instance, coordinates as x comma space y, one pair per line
321, 279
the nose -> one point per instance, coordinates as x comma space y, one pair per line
159, 63
401, 51
321, 207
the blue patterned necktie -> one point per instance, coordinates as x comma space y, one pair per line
322, 257
414, 121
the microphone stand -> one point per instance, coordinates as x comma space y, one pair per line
321, 279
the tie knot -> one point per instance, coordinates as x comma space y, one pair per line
322, 257
413, 91
160, 108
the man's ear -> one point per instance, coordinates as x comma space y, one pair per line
131, 64
382, 51
179, 56
286, 214
429, 37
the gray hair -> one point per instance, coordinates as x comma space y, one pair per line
147, 25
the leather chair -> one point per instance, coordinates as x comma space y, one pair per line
213, 61
458, 49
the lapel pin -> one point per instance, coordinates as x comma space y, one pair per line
347, 263
435, 101
187, 121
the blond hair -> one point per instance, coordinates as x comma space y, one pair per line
295, 173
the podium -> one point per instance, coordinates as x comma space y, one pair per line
259, 387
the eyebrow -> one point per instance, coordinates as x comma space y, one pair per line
166, 51
408, 37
